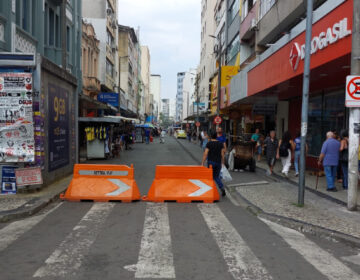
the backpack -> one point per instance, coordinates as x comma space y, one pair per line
283, 150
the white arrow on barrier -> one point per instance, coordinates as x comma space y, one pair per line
122, 187
203, 188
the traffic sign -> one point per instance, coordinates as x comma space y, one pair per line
217, 120
352, 91
197, 124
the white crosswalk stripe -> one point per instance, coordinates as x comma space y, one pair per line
323, 261
68, 257
155, 257
242, 262
13, 231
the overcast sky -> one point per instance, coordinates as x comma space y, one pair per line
171, 30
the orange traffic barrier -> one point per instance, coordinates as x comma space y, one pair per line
183, 184
102, 183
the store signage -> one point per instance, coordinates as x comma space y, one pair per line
352, 98
28, 176
332, 34
264, 109
8, 180
217, 120
111, 98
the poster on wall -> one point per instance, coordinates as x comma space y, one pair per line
58, 127
16, 118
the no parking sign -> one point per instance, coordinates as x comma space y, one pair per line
352, 91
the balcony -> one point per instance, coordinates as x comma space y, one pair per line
91, 84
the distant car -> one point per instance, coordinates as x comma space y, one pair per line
180, 134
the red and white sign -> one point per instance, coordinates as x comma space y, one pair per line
217, 120
197, 124
28, 176
352, 91
295, 55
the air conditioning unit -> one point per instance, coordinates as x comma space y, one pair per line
253, 25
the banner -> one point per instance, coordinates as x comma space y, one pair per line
16, 118
59, 131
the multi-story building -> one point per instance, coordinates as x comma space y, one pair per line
207, 66
179, 97
49, 32
274, 101
145, 77
172, 109
90, 64
102, 14
165, 107
155, 91
129, 70
188, 89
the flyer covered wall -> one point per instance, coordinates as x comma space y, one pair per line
16, 118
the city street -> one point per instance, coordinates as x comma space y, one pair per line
85, 240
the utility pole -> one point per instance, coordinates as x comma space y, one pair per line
354, 114
305, 100
219, 84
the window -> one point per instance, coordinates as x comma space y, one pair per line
109, 38
57, 28
234, 10
68, 38
265, 6
51, 27
233, 48
109, 68
25, 14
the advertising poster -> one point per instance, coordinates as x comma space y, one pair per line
28, 176
8, 180
59, 132
16, 118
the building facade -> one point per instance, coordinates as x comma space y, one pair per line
207, 66
145, 77
130, 68
165, 107
102, 14
48, 32
179, 97
188, 89
155, 93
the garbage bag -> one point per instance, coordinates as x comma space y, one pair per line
224, 174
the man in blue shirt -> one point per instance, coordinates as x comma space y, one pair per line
221, 137
329, 157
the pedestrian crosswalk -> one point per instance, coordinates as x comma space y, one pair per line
156, 256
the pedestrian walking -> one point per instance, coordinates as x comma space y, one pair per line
205, 140
329, 158
214, 153
256, 139
272, 145
297, 152
221, 137
286, 146
344, 156
147, 135
162, 136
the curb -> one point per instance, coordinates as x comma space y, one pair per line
296, 224
29, 208
318, 193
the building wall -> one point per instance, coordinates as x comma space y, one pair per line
155, 90
145, 76
179, 96
165, 107
207, 65
188, 92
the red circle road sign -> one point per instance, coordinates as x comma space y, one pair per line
217, 120
197, 124
353, 88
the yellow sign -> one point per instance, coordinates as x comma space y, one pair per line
227, 72
213, 95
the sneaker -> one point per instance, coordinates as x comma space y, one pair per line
268, 172
223, 192
296, 174
332, 190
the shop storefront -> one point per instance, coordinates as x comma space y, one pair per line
279, 74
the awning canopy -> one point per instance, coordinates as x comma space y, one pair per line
107, 119
95, 104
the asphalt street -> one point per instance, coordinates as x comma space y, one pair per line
142, 240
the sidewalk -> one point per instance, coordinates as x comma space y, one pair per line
16, 206
276, 197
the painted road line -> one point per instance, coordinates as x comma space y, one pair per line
323, 261
249, 184
203, 188
155, 256
13, 231
122, 187
242, 262
68, 257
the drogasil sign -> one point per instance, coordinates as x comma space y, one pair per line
337, 32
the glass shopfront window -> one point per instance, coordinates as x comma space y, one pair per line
326, 113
